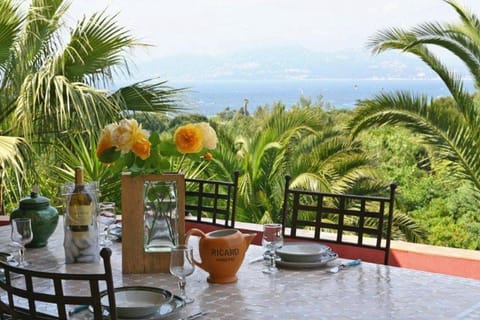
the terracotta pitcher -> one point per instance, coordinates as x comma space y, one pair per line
221, 252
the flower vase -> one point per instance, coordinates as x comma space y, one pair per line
160, 216
153, 220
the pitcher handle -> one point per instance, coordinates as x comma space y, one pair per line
201, 234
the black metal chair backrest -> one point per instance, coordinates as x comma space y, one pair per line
28, 286
357, 220
212, 202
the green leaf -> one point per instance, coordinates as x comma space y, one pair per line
154, 138
109, 155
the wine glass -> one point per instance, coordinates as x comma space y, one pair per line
272, 240
181, 266
106, 218
21, 235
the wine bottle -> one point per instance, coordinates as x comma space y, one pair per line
80, 207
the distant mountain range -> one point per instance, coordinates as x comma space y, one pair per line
290, 63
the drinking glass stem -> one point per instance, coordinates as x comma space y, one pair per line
181, 284
273, 265
21, 255
107, 233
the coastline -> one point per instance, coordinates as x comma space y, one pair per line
212, 96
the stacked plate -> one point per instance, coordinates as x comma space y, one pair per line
138, 302
304, 255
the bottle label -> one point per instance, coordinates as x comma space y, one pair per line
80, 217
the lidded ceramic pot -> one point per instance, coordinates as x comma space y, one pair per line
44, 218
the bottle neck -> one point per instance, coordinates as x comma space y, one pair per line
78, 177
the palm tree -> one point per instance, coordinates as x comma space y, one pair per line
450, 131
297, 142
51, 88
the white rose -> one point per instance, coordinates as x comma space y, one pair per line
125, 133
209, 135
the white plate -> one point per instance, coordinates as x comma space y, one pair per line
165, 311
4, 257
308, 265
140, 302
302, 251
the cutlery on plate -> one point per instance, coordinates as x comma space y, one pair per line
345, 265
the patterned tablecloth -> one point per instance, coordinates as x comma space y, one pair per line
367, 291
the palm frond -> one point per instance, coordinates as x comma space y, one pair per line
10, 24
445, 130
147, 96
390, 38
310, 181
78, 150
452, 40
398, 39
73, 106
96, 48
13, 161
404, 227
10, 152
40, 38
466, 16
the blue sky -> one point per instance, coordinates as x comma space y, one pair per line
225, 26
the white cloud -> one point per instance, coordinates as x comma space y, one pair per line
421, 75
244, 66
219, 26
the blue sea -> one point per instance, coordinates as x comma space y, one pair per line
211, 97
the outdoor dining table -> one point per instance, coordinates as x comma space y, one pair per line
366, 291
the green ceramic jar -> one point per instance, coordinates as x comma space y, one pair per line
44, 218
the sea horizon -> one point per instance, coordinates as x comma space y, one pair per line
209, 97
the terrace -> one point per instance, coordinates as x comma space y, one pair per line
451, 261
372, 290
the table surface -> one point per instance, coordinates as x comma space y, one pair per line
367, 291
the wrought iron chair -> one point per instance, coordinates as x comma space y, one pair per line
361, 221
212, 202
28, 289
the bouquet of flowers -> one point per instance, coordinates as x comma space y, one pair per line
144, 152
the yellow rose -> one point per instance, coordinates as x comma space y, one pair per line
209, 135
129, 136
140, 144
141, 148
189, 139
106, 143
